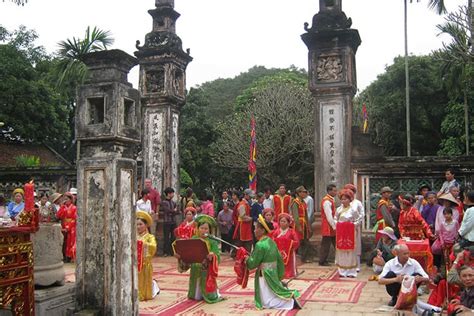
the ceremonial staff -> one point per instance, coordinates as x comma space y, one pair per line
221, 240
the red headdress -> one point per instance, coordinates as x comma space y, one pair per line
347, 193
288, 217
268, 210
351, 187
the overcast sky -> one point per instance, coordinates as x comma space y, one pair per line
226, 37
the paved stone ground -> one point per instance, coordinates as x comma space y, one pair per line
373, 297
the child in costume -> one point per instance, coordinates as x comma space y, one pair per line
146, 249
266, 258
203, 277
287, 242
187, 228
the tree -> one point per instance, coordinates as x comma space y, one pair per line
385, 103
71, 68
457, 61
282, 107
24, 89
209, 105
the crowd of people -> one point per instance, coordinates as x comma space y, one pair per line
266, 231
57, 207
443, 220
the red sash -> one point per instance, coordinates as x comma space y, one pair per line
345, 236
211, 280
240, 267
140, 255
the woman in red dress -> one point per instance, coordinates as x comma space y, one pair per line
68, 214
269, 216
411, 224
287, 242
187, 228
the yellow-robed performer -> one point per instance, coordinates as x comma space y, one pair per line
146, 249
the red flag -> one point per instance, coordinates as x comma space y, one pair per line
252, 167
366, 118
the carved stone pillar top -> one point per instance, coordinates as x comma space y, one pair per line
329, 17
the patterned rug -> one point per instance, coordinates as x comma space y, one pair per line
316, 284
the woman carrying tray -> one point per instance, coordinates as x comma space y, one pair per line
203, 277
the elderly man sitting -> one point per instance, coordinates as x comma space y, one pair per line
396, 268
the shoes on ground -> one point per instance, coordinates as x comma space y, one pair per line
324, 264
393, 301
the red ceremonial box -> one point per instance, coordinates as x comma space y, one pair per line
16, 270
191, 250
420, 250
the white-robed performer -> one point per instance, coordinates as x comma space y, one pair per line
346, 221
359, 207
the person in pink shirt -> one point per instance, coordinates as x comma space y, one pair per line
207, 206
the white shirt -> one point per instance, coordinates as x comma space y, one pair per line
144, 206
310, 206
412, 266
357, 206
268, 203
328, 212
447, 185
467, 225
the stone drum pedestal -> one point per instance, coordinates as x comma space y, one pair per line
48, 245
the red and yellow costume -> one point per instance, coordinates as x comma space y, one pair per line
381, 224
411, 224
326, 229
287, 242
281, 204
301, 218
243, 229
68, 215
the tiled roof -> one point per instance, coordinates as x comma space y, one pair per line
48, 157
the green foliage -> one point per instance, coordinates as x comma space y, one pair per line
27, 161
71, 51
282, 107
185, 178
24, 90
385, 100
208, 106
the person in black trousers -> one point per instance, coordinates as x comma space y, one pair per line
168, 208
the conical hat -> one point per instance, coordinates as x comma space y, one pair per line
448, 197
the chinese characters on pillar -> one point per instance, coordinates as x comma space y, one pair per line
331, 139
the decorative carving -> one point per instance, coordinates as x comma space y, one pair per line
25, 218
161, 40
329, 69
178, 82
155, 81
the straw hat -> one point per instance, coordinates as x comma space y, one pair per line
146, 217
73, 191
448, 197
55, 197
386, 189
388, 231
301, 189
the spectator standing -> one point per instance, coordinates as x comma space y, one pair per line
268, 201
450, 182
144, 204
154, 197
430, 210
466, 231
207, 206
168, 208
225, 221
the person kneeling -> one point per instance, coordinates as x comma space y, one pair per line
395, 269
269, 290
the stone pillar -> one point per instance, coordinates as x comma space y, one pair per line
108, 127
332, 46
163, 88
